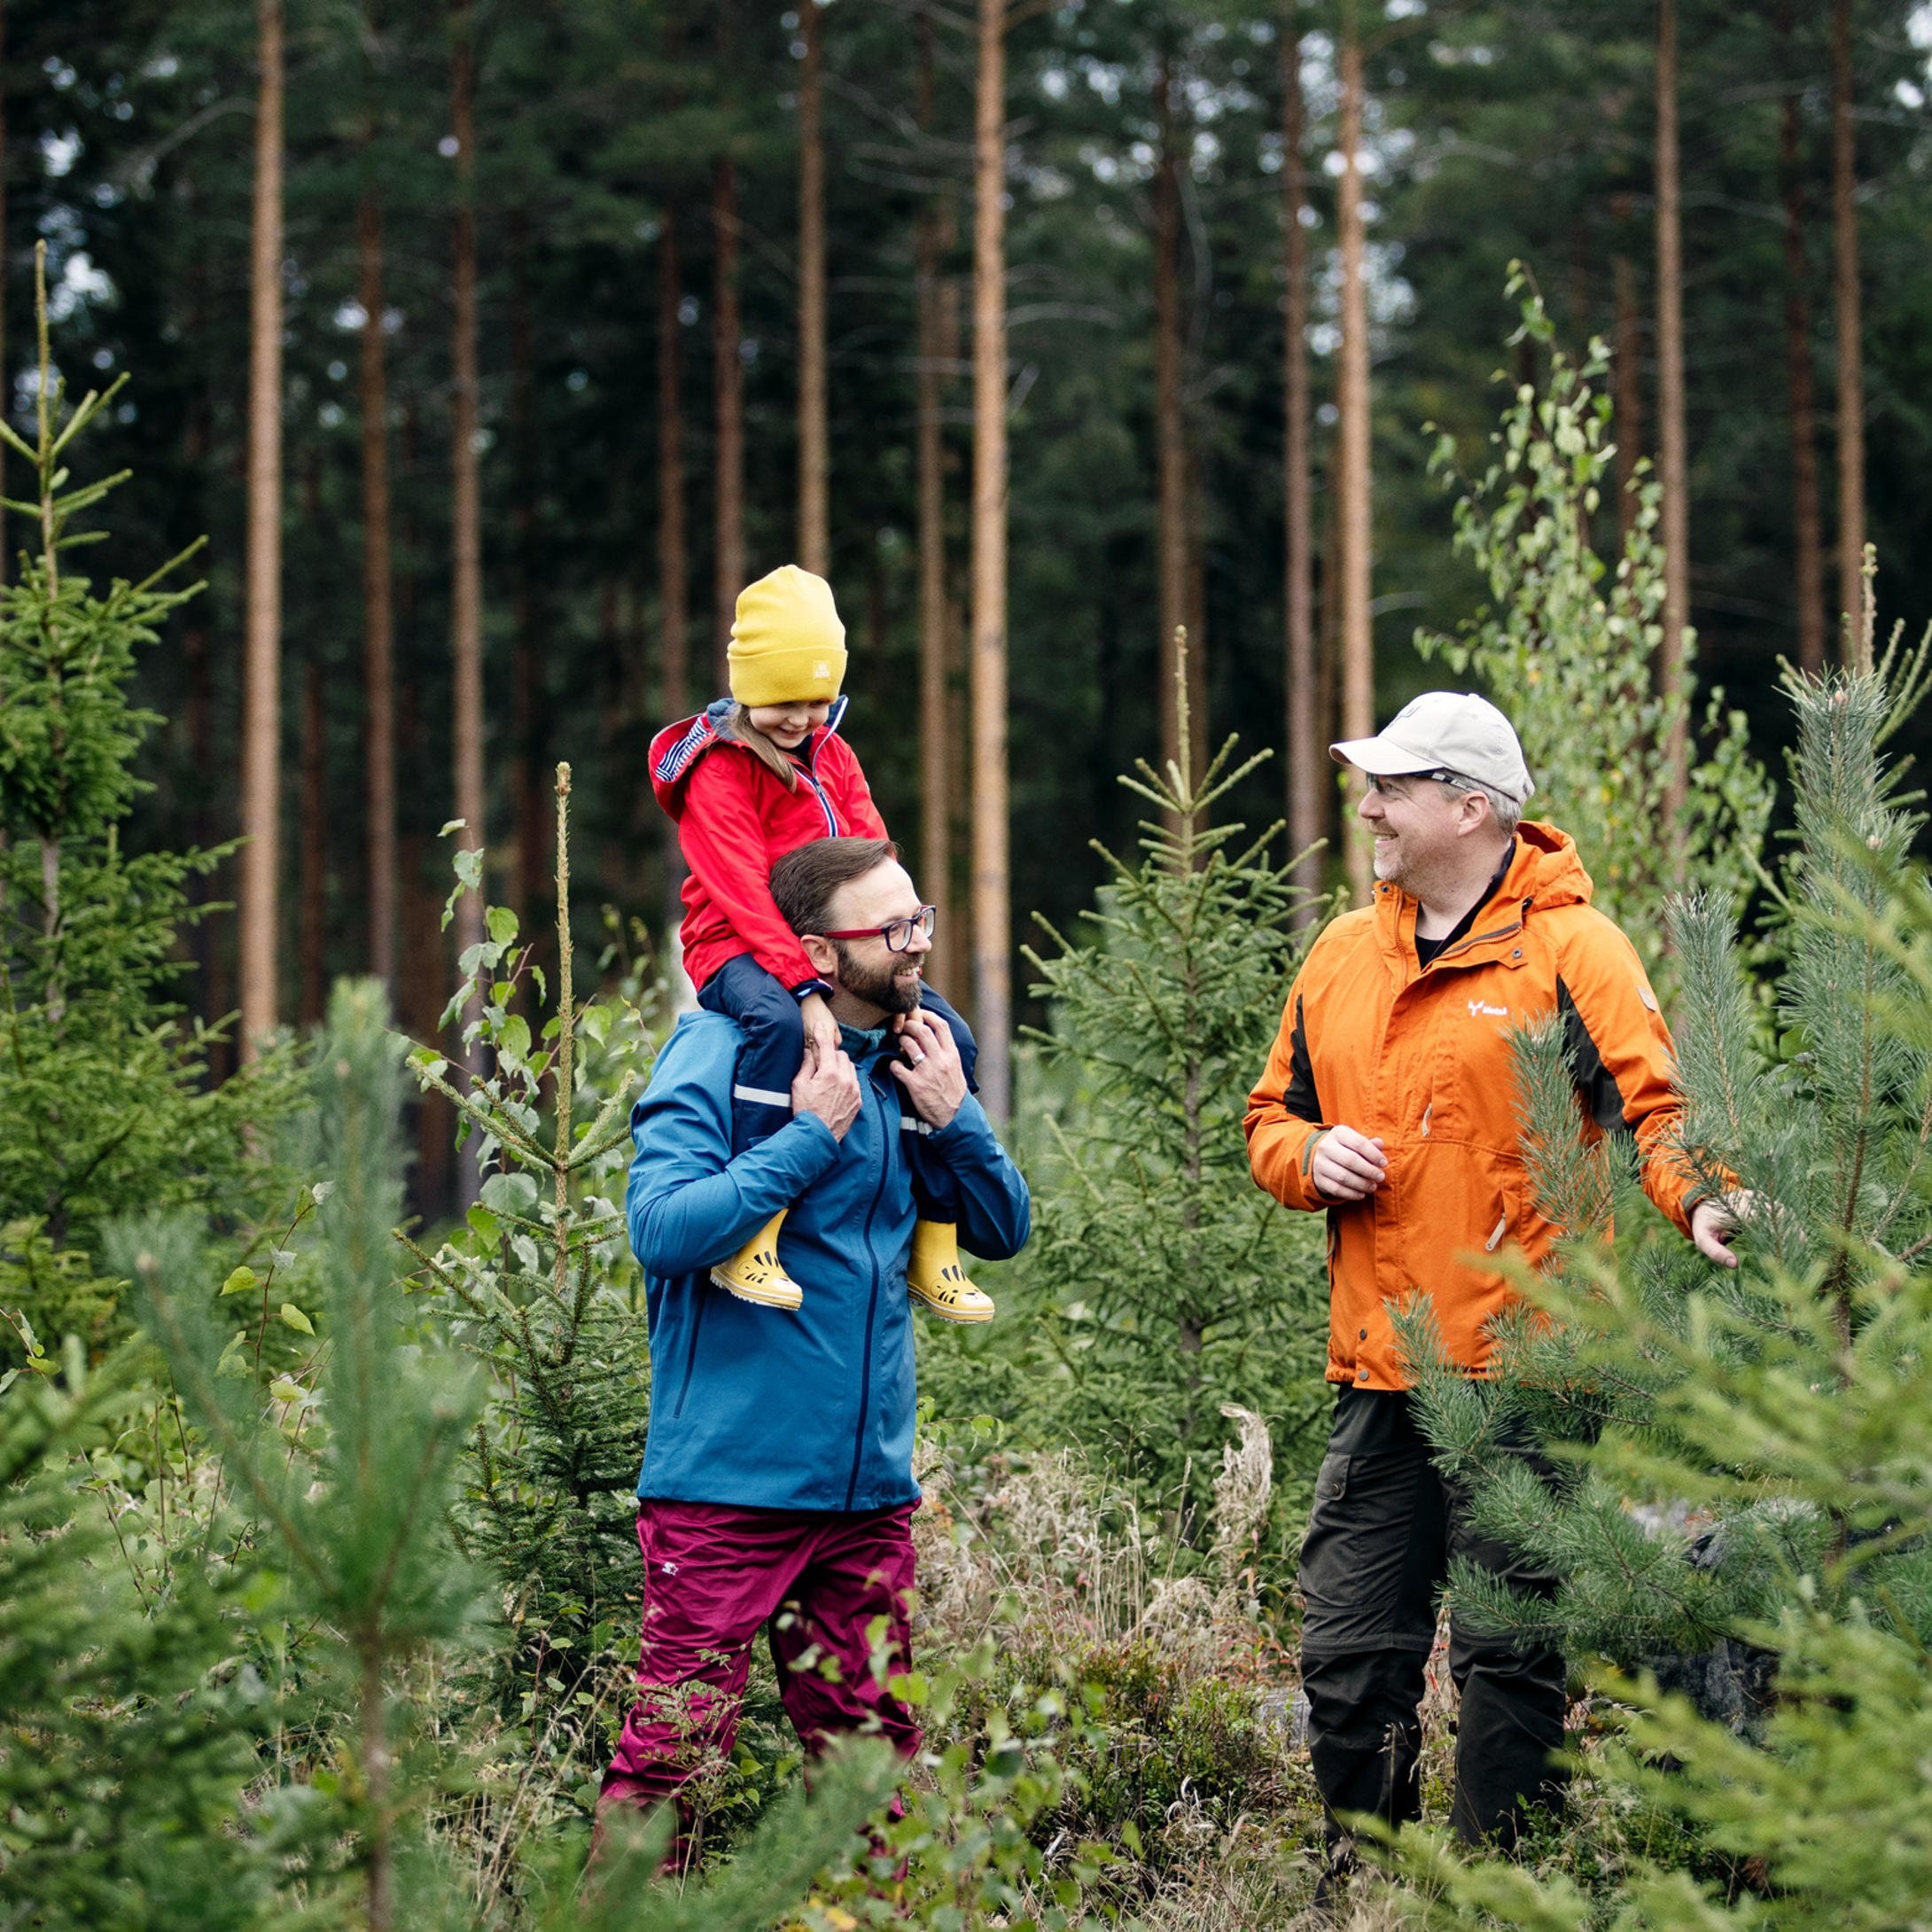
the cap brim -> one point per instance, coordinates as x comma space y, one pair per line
1381, 758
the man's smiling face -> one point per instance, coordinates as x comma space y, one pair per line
1414, 820
868, 970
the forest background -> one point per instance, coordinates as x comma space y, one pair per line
666, 297
612, 292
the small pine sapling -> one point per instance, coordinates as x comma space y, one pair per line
131, 1732
1169, 1285
357, 1505
104, 1106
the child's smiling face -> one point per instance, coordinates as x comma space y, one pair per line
788, 726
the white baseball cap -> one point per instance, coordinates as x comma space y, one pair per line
1453, 732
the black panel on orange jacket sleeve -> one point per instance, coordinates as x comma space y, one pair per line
1594, 1080
1301, 1099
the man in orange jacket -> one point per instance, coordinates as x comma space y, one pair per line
1389, 1103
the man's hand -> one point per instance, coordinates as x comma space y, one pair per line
1347, 1165
820, 1029
828, 1085
930, 1071
1716, 1216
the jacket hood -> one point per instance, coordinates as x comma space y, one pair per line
676, 751
1544, 872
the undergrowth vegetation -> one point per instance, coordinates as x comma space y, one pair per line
319, 1594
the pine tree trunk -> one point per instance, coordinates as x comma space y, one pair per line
959, 712
1353, 448
1306, 760
422, 984
378, 1888
466, 597
207, 941
1626, 377
991, 913
312, 921
814, 455
210, 957
1335, 802
674, 574
624, 714
1673, 465
936, 742
1844, 211
1198, 637
261, 709
421, 988
533, 793
1581, 251
1806, 521
378, 623
1170, 455
727, 376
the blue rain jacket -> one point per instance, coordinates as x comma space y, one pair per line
759, 1407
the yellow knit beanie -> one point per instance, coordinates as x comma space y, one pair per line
787, 646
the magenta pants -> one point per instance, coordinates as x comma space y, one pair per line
715, 1576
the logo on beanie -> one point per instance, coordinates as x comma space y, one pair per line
821, 669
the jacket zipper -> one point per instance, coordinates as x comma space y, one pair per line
1474, 938
824, 804
818, 791
871, 1315
810, 777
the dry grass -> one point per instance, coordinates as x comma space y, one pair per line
1053, 1547
1254, 1884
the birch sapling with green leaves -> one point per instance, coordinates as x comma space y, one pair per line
539, 1283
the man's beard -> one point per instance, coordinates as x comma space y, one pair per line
877, 985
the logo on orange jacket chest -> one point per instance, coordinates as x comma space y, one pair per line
1483, 1010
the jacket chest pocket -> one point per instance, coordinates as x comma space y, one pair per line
1467, 1087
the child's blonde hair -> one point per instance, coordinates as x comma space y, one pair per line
737, 724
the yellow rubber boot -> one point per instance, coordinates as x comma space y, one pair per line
754, 1273
936, 1277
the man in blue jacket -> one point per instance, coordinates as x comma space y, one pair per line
777, 1490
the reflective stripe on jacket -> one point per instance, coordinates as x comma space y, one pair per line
811, 1409
735, 819
1420, 1058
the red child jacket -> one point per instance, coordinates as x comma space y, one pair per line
735, 819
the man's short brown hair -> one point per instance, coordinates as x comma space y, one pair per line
805, 879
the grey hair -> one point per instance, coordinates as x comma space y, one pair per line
1505, 811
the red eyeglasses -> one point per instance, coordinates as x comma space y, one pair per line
897, 933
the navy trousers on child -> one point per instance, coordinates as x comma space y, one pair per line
742, 990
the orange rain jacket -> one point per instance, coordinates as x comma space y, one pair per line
1420, 1057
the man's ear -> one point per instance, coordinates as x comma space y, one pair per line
823, 954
